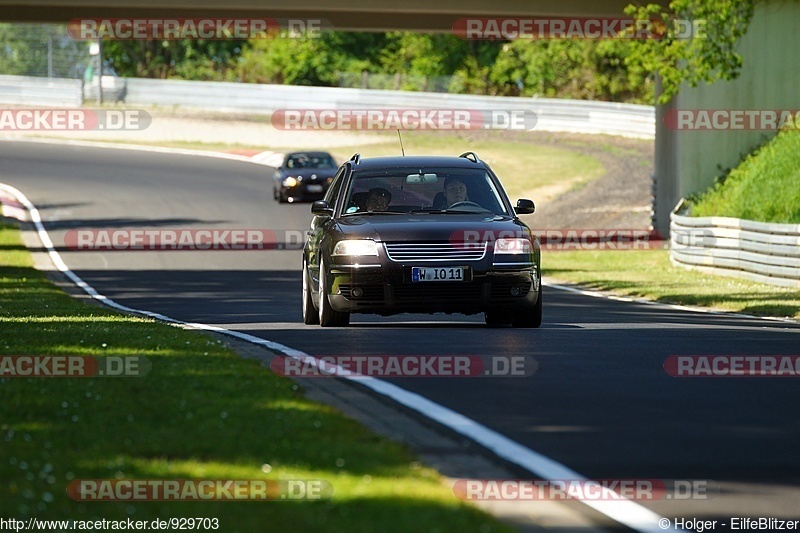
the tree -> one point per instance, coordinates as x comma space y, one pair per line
41, 50
709, 54
189, 59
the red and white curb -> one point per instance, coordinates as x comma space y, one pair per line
272, 159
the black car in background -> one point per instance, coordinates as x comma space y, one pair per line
303, 176
420, 235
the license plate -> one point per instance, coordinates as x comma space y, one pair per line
437, 274
314, 188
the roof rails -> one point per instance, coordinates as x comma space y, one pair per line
356, 159
474, 157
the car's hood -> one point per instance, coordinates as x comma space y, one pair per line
431, 227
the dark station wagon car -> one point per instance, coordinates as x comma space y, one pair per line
303, 176
420, 235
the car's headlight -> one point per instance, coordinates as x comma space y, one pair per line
355, 247
289, 182
512, 246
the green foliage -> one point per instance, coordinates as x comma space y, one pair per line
764, 187
556, 68
188, 59
309, 60
710, 53
24, 51
584, 69
397, 60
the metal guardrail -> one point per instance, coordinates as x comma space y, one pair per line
56, 92
576, 116
759, 251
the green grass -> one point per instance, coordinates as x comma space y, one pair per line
764, 187
522, 167
201, 412
650, 274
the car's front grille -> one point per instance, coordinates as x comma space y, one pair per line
432, 292
445, 251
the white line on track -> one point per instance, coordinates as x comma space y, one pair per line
155, 149
629, 513
676, 307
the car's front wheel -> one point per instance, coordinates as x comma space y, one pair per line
310, 313
328, 316
498, 318
532, 318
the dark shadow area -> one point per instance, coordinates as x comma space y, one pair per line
45, 206
12, 247
121, 222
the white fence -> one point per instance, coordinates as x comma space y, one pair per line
56, 92
577, 116
769, 253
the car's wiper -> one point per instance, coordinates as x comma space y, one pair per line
362, 213
427, 210
462, 211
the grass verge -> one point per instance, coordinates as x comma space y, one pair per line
764, 187
650, 274
522, 167
201, 412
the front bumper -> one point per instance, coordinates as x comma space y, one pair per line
387, 289
300, 192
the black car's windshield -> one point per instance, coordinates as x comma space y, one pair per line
299, 161
427, 190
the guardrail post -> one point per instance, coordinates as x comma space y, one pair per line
665, 176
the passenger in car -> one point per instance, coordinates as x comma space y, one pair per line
378, 199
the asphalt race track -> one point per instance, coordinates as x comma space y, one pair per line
600, 402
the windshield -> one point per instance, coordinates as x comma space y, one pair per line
297, 161
405, 190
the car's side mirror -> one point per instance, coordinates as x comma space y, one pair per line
525, 207
321, 208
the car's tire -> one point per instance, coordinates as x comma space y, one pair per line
328, 316
310, 313
532, 318
274, 193
497, 318
281, 198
